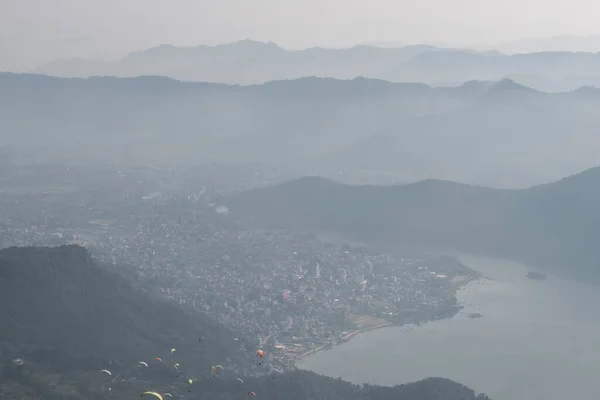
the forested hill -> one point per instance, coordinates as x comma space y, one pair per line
63, 314
302, 385
64, 319
57, 297
552, 225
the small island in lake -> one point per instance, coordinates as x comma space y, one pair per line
536, 276
474, 315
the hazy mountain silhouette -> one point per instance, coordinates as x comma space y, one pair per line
243, 62
590, 43
64, 319
553, 225
252, 62
494, 133
460, 66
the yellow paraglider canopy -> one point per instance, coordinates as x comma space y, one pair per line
157, 395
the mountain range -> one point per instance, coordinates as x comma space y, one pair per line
252, 62
574, 43
65, 318
553, 226
500, 134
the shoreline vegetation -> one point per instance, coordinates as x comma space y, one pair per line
348, 336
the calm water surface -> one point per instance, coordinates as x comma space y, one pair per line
536, 340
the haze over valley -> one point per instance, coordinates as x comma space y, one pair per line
249, 200
499, 134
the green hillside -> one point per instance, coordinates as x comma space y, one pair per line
551, 225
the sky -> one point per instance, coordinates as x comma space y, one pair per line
33, 32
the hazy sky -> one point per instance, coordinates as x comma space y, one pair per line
36, 31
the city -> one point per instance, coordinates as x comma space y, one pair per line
291, 293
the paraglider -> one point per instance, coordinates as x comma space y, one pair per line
259, 357
157, 395
173, 351
167, 395
142, 364
158, 359
239, 379
106, 373
217, 371
251, 394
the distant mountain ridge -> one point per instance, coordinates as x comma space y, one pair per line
553, 225
252, 62
243, 62
587, 43
495, 133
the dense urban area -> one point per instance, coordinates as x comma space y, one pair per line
293, 293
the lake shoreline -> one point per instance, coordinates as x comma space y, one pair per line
349, 336
511, 353
343, 339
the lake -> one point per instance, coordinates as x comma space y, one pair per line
536, 340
